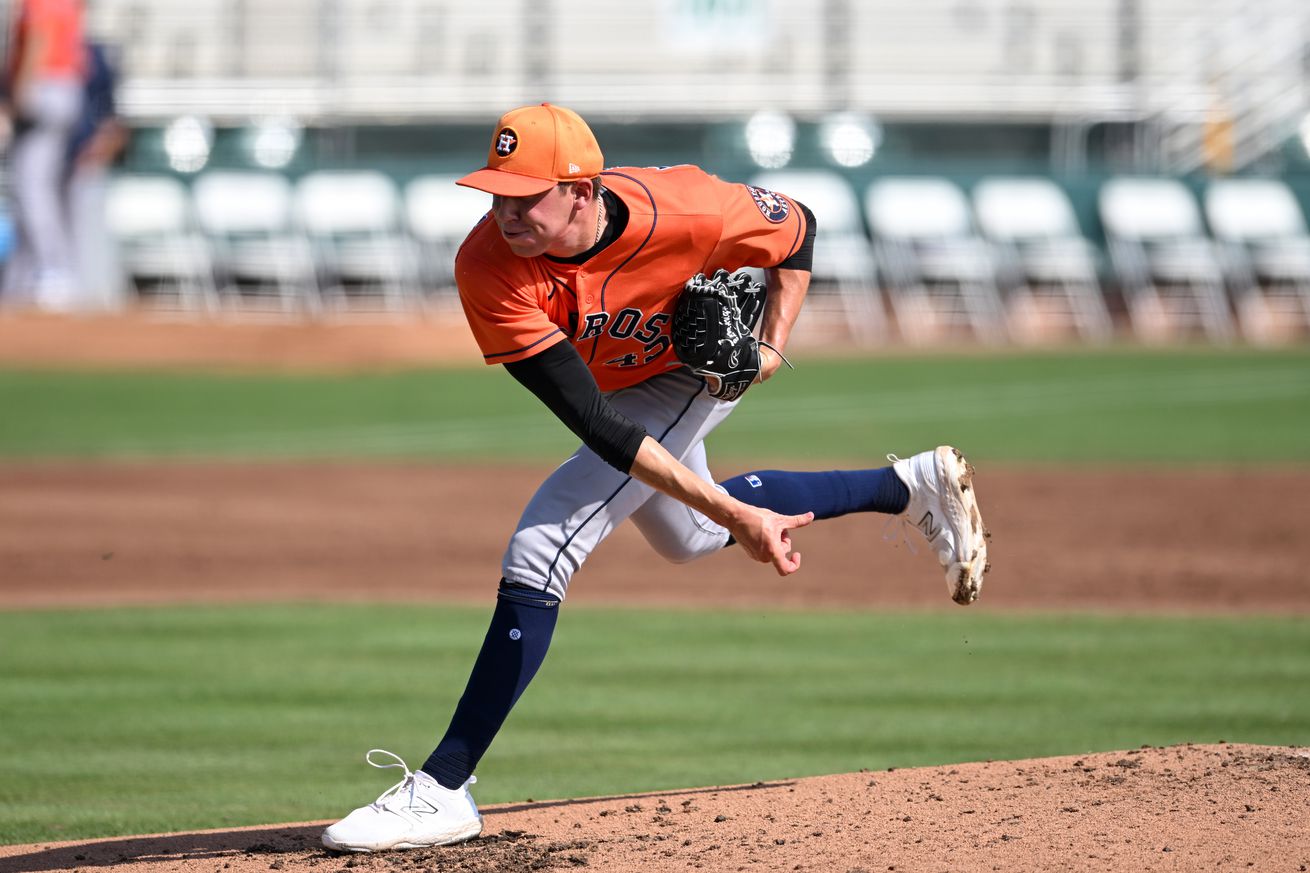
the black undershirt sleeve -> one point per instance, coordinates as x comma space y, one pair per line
803, 257
562, 381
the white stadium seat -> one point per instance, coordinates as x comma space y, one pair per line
1171, 272
941, 274
1050, 267
162, 253
440, 214
259, 251
843, 253
1264, 231
353, 220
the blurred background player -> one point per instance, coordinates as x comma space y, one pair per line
44, 82
98, 140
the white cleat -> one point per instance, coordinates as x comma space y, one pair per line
414, 813
944, 508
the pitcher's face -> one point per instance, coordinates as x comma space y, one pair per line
536, 224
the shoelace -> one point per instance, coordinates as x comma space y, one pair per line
407, 782
897, 524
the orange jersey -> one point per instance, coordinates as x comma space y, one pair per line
57, 24
616, 307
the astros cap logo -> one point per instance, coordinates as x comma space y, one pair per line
506, 141
533, 149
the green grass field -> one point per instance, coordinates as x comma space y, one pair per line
122, 721
1191, 406
130, 721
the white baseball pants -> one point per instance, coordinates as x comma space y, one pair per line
585, 498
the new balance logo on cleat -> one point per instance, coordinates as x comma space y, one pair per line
420, 806
925, 525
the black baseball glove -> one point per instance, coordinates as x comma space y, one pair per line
712, 324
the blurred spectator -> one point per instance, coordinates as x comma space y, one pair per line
43, 96
97, 141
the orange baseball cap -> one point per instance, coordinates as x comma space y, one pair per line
535, 147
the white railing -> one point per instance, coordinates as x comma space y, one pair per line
445, 59
1238, 87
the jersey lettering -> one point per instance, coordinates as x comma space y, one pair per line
594, 324
652, 336
652, 328
625, 323
655, 348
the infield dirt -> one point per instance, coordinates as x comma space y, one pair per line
77, 534
1177, 808
1066, 539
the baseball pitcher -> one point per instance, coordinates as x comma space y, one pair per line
617, 297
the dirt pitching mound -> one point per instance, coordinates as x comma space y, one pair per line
1177, 808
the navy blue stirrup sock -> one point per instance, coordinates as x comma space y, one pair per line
827, 495
515, 646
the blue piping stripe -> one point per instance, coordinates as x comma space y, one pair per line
524, 348
654, 220
550, 571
